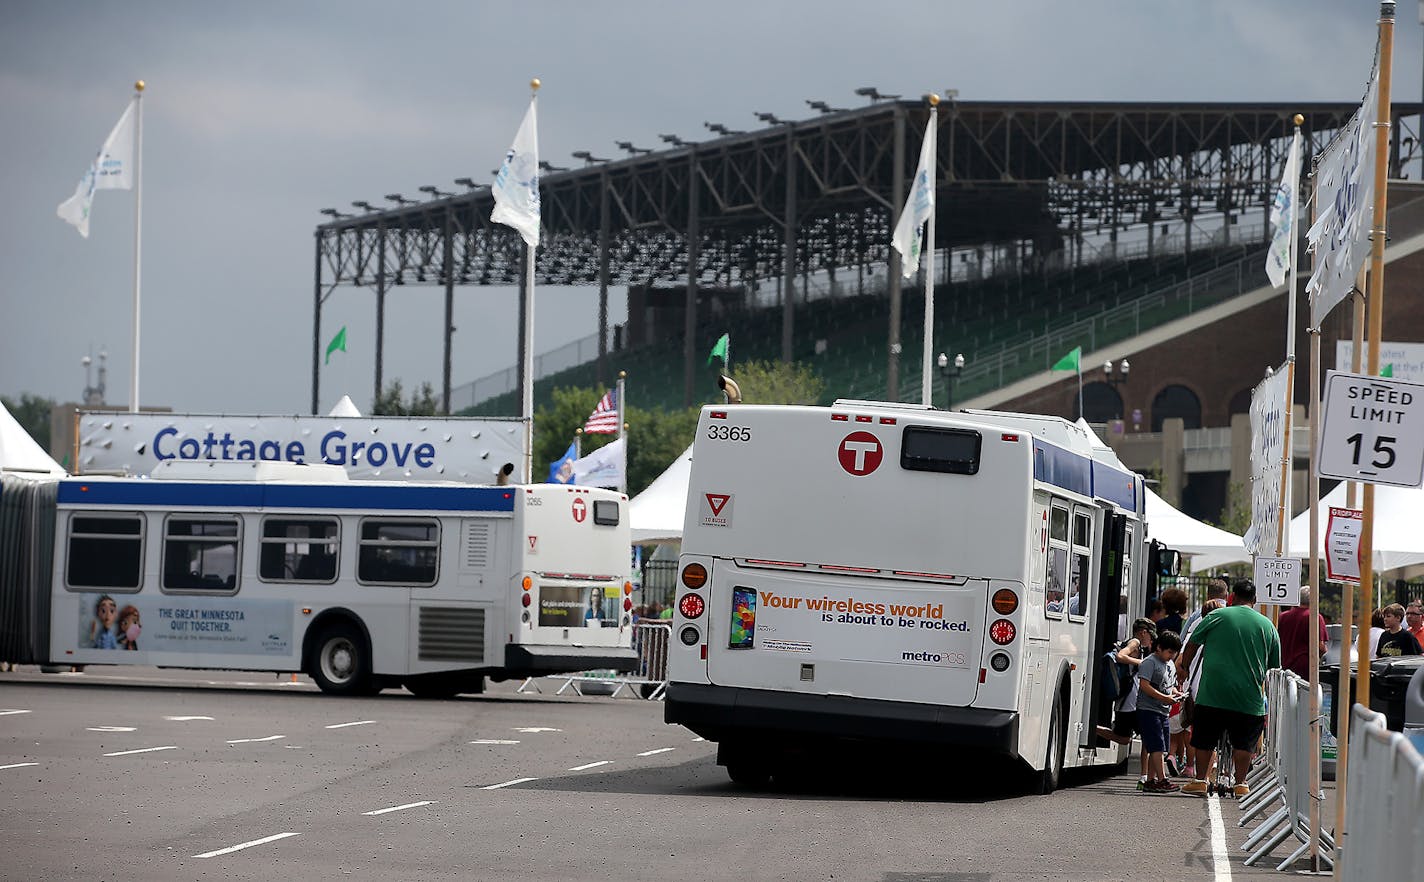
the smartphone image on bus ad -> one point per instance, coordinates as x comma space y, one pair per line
743, 618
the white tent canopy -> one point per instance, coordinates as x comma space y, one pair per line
345, 408
20, 454
657, 512
1398, 541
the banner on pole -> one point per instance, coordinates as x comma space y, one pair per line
1269, 412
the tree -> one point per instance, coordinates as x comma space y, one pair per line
776, 382
32, 413
392, 402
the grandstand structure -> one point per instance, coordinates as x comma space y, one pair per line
1090, 215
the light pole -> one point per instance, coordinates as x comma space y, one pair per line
950, 374
1114, 381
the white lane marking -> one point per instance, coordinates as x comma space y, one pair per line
590, 765
659, 750
495, 741
357, 723
509, 783
255, 740
110, 728
186, 719
8, 711
534, 730
1220, 856
698, 738
229, 850
18, 765
141, 750
400, 808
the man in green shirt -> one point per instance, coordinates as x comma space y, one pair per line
1231, 699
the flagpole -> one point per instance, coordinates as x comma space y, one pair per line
623, 475
527, 368
138, 240
926, 376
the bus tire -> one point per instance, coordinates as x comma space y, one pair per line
748, 774
341, 662
1046, 781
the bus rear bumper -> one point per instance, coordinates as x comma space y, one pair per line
720, 713
533, 661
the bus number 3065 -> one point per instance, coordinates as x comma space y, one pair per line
729, 433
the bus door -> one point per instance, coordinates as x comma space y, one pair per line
1103, 624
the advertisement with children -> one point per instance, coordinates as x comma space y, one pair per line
185, 624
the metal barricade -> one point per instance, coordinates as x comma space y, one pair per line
1384, 809
648, 680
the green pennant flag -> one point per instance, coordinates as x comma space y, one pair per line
1388, 370
337, 342
1069, 362
721, 349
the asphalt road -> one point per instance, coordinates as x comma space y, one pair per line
147, 774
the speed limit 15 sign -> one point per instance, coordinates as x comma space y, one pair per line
1372, 430
1278, 580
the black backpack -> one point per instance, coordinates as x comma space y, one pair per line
1117, 676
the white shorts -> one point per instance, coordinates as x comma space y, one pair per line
1174, 724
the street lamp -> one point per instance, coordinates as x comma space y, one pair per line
950, 376
1119, 380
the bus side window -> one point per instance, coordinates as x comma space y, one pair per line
1078, 579
399, 552
1055, 583
105, 551
299, 550
200, 554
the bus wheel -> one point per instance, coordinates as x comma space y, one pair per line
340, 664
1047, 780
747, 774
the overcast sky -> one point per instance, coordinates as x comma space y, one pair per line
259, 114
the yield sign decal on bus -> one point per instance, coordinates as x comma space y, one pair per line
860, 453
716, 510
580, 511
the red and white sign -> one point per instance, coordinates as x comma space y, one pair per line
533, 544
860, 453
1342, 545
580, 510
715, 510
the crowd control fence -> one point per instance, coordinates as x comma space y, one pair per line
1280, 778
1384, 808
648, 680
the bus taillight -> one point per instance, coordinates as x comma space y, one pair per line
526, 600
694, 576
1002, 632
1005, 601
691, 606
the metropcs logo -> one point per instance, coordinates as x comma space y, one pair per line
715, 510
860, 453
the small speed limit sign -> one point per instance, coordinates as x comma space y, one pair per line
1278, 580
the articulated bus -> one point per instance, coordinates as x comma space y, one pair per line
895, 574
361, 584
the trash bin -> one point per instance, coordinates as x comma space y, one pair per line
1329, 683
1389, 684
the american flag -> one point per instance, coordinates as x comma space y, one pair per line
604, 419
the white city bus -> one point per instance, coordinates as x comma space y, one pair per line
892, 573
361, 584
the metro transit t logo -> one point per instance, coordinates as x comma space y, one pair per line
860, 453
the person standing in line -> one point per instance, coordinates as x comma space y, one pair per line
1216, 589
1414, 620
1232, 700
1156, 693
1295, 627
1395, 641
1376, 629
1174, 604
1130, 655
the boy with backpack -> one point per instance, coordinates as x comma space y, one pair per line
1126, 659
1156, 693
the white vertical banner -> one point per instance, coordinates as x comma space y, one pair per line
1284, 208
1269, 412
918, 208
1340, 236
516, 187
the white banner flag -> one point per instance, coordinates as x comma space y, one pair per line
918, 207
602, 468
1344, 196
516, 187
1283, 212
112, 169
1269, 412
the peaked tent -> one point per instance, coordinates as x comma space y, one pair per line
345, 408
1398, 541
19, 454
656, 513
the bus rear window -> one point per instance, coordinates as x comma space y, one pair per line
605, 512
927, 449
